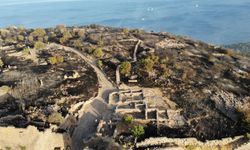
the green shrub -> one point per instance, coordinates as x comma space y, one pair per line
38, 33
125, 67
147, 64
138, 131
22, 147
248, 136
80, 32
20, 38
98, 53
66, 36
99, 63
1, 63
45, 39
90, 50
56, 60
154, 58
128, 119
167, 73
77, 43
39, 45
55, 118
26, 50
31, 39
125, 30
8, 148
177, 65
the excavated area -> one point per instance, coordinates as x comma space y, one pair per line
209, 84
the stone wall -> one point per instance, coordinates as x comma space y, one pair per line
182, 142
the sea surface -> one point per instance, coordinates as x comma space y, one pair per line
213, 21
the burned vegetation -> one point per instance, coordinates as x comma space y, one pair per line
40, 84
209, 84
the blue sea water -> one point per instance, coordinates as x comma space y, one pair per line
213, 21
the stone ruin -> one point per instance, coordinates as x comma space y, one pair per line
134, 103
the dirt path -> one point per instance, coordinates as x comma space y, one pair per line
93, 110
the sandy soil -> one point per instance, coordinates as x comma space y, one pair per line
30, 138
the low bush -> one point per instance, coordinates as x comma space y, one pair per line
167, 73
138, 131
56, 60
98, 53
1, 63
147, 64
125, 67
248, 136
55, 118
128, 119
39, 45
77, 43
99, 64
26, 50
38, 33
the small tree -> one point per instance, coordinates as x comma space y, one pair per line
138, 131
98, 53
128, 119
125, 67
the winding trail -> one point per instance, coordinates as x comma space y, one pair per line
95, 108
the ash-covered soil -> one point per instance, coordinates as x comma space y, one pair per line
40, 92
210, 84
